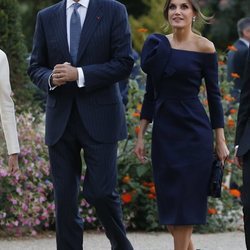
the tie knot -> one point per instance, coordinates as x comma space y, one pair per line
76, 6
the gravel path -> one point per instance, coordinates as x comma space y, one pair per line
140, 241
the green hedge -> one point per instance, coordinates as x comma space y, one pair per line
26, 199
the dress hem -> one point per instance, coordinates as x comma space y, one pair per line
182, 224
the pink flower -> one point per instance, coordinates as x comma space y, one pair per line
2, 215
37, 222
42, 199
43, 217
24, 207
19, 191
13, 201
3, 172
88, 219
15, 223
33, 233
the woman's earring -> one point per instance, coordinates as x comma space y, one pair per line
194, 18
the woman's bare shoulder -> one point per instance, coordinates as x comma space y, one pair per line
204, 45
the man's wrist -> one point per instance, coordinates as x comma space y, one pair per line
80, 79
50, 82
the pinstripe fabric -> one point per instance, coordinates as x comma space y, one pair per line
91, 118
242, 137
105, 56
98, 187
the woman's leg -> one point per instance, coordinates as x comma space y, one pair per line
182, 237
191, 245
171, 229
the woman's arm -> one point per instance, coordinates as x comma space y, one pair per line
7, 113
220, 144
210, 72
139, 148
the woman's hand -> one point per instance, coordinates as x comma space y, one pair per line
222, 151
221, 147
140, 150
13, 163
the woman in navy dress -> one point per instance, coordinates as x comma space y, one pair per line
182, 136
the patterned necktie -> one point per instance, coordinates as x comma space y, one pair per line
75, 32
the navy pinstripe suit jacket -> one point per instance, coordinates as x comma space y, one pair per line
242, 137
105, 56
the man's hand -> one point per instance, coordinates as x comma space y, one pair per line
13, 163
237, 160
63, 73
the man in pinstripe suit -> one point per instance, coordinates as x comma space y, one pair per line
84, 110
242, 151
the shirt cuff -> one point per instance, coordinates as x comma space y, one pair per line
49, 82
81, 79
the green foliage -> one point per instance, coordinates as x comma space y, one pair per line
12, 42
148, 14
136, 182
136, 8
223, 31
225, 214
26, 197
150, 22
29, 9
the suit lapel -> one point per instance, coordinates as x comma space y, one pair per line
60, 28
93, 18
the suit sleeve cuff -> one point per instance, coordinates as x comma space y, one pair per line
81, 78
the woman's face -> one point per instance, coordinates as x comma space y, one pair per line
180, 13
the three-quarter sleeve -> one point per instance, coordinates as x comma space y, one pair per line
210, 72
7, 111
148, 105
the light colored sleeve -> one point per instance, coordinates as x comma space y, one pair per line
7, 110
50, 87
81, 79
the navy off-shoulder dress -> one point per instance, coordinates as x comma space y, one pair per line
182, 137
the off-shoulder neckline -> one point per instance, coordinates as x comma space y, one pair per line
191, 51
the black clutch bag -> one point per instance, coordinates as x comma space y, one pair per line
216, 178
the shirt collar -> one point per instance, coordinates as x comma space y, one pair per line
84, 3
245, 41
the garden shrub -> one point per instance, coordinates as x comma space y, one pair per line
26, 199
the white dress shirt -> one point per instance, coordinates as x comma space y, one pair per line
7, 111
245, 41
82, 10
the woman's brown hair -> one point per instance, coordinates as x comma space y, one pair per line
200, 17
